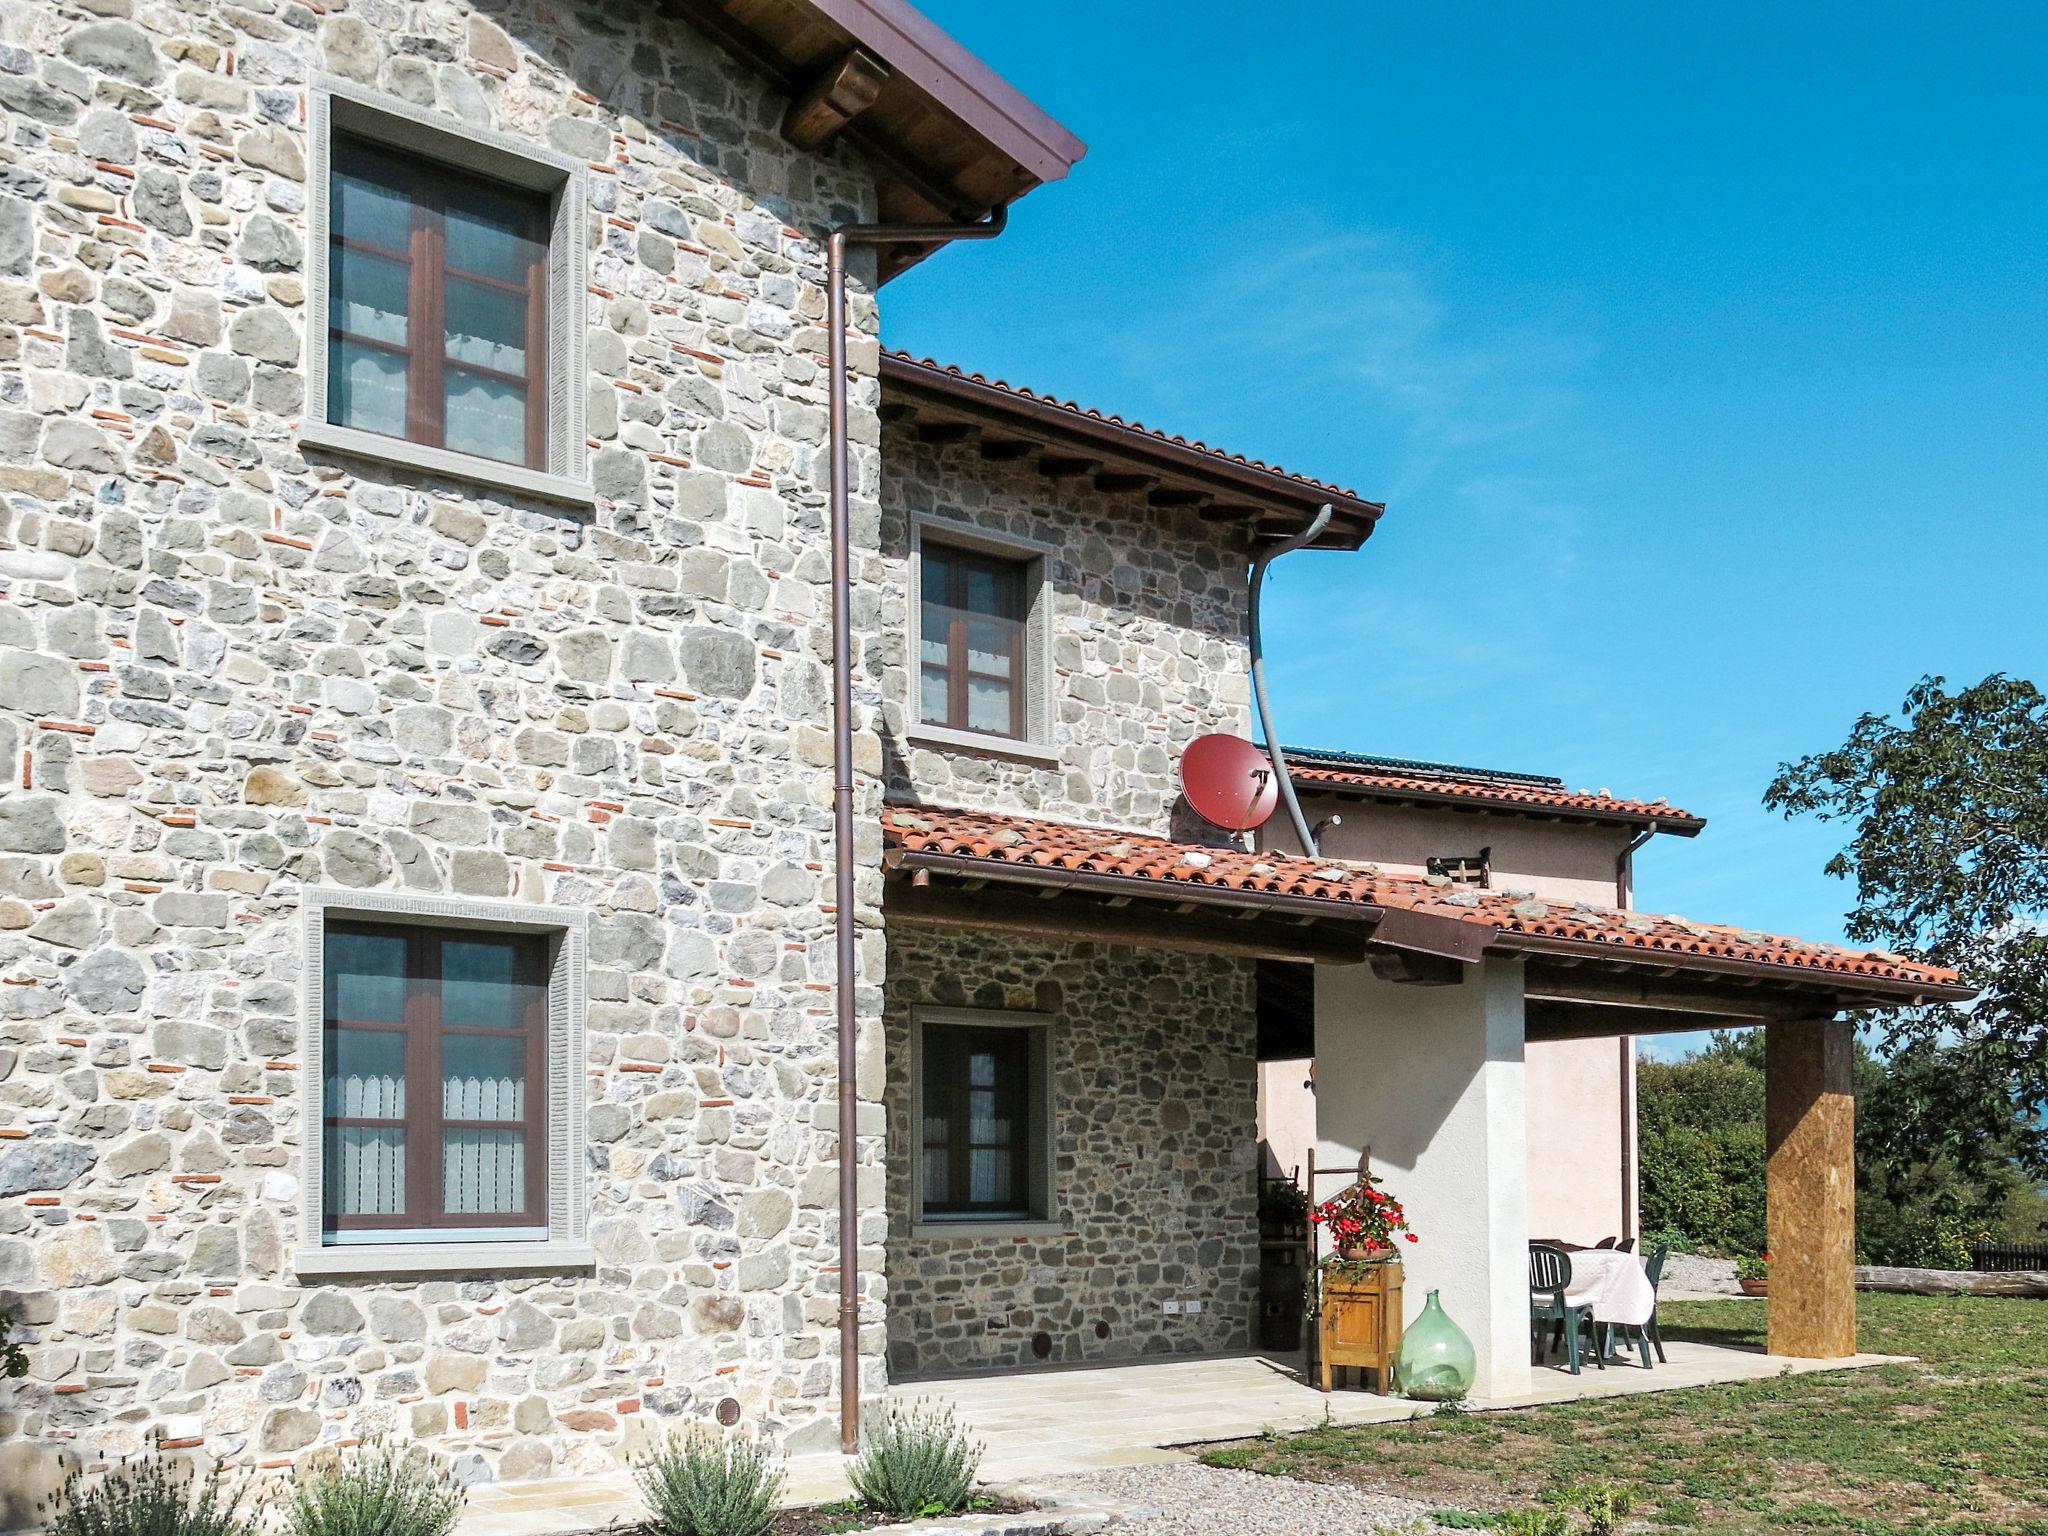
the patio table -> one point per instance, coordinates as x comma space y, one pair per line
1613, 1284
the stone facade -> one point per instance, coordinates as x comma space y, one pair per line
1148, 639
233, 668
1155, 1146
1154, 1127
232, 671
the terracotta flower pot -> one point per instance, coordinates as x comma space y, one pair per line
1756, 1287
1358, 1253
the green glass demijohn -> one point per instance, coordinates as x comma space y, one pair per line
1436, 1362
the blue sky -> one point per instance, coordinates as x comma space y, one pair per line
1700, 354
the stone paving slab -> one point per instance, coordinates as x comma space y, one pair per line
1043, 1423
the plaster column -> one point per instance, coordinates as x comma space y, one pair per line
1431, 1078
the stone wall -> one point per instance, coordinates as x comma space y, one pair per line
230, 672
1148, 642
1155, 1146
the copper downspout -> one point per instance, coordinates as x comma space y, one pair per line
1258, 655
842, 779
1624, 897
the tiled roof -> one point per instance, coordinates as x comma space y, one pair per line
1395, 778
1121, 422
1058, 846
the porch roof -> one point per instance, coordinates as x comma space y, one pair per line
1421, 916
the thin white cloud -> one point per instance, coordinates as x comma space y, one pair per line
1482, 408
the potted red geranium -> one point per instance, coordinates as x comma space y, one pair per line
1365, 1223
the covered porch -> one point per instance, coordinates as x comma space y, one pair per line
1425, 996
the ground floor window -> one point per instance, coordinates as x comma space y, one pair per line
444, 1041
984, 1115
435, 1100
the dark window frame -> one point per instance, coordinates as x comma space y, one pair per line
1013, 577
946, 1051
425, 184
424, 1121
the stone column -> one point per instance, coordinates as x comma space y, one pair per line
1431, 1079
1810, 1128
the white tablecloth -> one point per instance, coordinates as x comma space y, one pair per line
1613, 1284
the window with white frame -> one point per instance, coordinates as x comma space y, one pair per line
981, 631
445, 329
984, 1117
443, 1054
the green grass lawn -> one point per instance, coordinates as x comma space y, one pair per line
1955, 1443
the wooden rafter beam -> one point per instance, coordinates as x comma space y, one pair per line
1629, 987
1231, 512
1119, 480
1078, 918
1545, 1020
841, 91
1059, 466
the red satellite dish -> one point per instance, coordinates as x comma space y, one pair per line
1229, 781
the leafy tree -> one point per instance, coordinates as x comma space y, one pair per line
1700, 1134
1700, 1126
1949, 858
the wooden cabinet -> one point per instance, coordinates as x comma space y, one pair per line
1361, 1322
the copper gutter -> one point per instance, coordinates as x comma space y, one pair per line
847, 1015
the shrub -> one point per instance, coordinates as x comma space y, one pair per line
1535, 1522
703, 1484
1602, 1505
13, 1358
916, 1464
378, 1489
149, 1497
1666, 1237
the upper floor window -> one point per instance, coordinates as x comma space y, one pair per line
445, 297
971, 639
437, 310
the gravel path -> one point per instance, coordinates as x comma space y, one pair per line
1187, 1499
1689, 1276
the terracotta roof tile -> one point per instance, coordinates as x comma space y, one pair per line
1126, 423
1018, 840
1517, 791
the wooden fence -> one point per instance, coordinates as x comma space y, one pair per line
2004, 1258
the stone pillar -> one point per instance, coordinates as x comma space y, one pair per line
1810, 1130
1431, 1079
